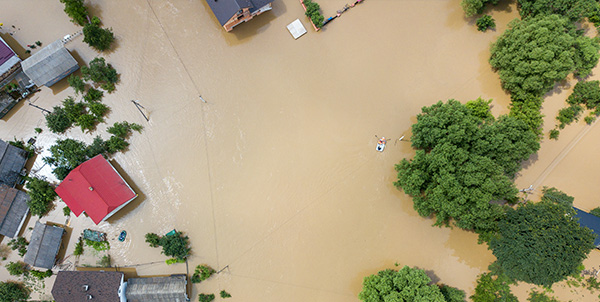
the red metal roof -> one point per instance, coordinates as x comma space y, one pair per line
96, 188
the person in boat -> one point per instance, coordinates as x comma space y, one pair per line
382, 141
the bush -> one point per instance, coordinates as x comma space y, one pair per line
225, 294
41, 195
153, 240
206, 298
313, 11
41, 275
176, 245
589, 119
554, 134
115, 144
66, 211
38, 130
93, 94
19, 244
567, 115
202, 273
58, 121
100, 72
98, 110
97, 37
98, 245
123, 129
485, 22
78, 248
173, 261
13, 292
595, 212
76, 10
16, 268
474, 7
77, 83
105, 261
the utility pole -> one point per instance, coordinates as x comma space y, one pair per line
137, 105
38, 107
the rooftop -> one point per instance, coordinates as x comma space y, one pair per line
13, 210
44, 245
79, 285
50, 64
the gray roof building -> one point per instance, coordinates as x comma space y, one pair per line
13, 210
12, 161
49, 65
591, 222
44, 245
157, 289
234, 12
99, 286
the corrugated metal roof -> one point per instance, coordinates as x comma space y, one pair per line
44, 245
157, 289
13, 210
50, 64
76, 286
12, 161
225, 9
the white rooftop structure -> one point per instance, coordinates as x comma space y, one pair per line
296, 29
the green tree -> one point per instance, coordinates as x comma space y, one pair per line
17, 268
406, 284
541, 243
98, 37
527, 107
115, 144
475, 7
480, 108
535, 296
41, 195
206, 297
123, 129
558, 197
87, 122
73, 109
493, 288
595, 212
100, 72
535, 53
452, 294
58, 120
201, 273
66, 154
78, 248
77, 83
175, 245
11, 291
98, 110
574, 10
225, 294
485, 22
93, 95
153, 240
76, 10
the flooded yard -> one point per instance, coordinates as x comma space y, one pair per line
276, 177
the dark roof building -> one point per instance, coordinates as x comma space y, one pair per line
96, 188
591, 222
13, 210
44, 245
49, 65
10, 63
12, 162
157, 289
231, 13
99, 286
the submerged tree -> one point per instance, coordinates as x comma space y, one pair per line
535, 53
541, 243
76, 10
96, 36
406, 284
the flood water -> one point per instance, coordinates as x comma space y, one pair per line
276, 178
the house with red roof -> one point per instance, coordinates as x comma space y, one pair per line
96, 188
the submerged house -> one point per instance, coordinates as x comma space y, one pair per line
96, 188
12, 162
10, 63
44, 245
157, 289
231, 13
13, 210
50, 65
591, 222
99, 286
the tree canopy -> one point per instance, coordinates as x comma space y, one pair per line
41, 195
13, 292
174, 245
96, 36
405, 285
535, 53
541, 243
493, 288
464, 160
474, 7
574, 10
76, 10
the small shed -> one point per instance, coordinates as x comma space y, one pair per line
44, 245
157, 289
12, 162
591, 222
96, 188
99, 286
13, 210
50, 65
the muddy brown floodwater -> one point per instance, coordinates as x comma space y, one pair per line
276, 177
